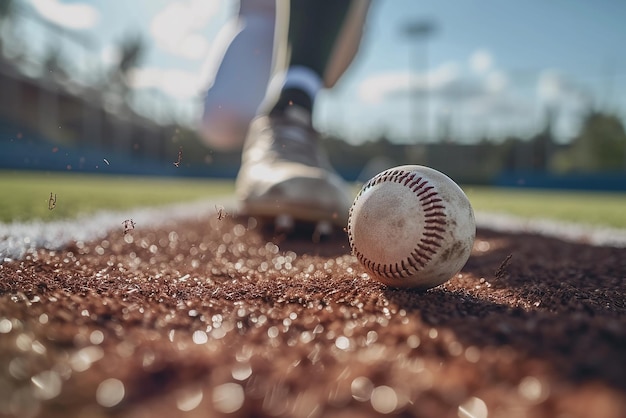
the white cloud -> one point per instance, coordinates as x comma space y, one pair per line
176, 29
553, 88
176, 83
567, 97
461, 89
445, 82
71, 16
376, 88
480, 97
549, 86
496, 81
481, 61
110, 55
500, 106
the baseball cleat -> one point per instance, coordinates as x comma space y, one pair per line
285, 171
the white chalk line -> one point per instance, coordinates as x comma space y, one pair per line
567, 231
19, 238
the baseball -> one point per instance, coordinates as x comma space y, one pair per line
411, 226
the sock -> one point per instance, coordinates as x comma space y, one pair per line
292, 97
298, 88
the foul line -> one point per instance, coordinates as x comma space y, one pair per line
19, 238
572, 232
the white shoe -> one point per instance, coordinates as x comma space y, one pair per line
286, 174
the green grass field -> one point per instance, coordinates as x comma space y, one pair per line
591, 208
25, 196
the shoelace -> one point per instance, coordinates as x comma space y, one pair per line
294, 141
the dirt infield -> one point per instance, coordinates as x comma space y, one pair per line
215, 317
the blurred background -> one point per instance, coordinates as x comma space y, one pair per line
524, 94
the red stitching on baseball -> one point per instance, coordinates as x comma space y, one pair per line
428, 244
417, 187
433, 235
438, 221
418, 257
434, 228
429, 195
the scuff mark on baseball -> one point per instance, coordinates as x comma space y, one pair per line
411, 226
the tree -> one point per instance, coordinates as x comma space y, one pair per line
132, 50
600, 145
7, 13
53, 64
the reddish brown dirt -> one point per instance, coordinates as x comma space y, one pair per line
214, 317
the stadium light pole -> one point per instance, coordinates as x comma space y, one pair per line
419, 31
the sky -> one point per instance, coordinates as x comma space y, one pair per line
489, 69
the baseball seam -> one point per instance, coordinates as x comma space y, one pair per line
434, 222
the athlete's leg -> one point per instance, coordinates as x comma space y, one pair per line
285, 174
238, 70
324, 36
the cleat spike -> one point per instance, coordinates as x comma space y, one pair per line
284, 223
323, 229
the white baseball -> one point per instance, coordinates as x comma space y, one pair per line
411, 226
